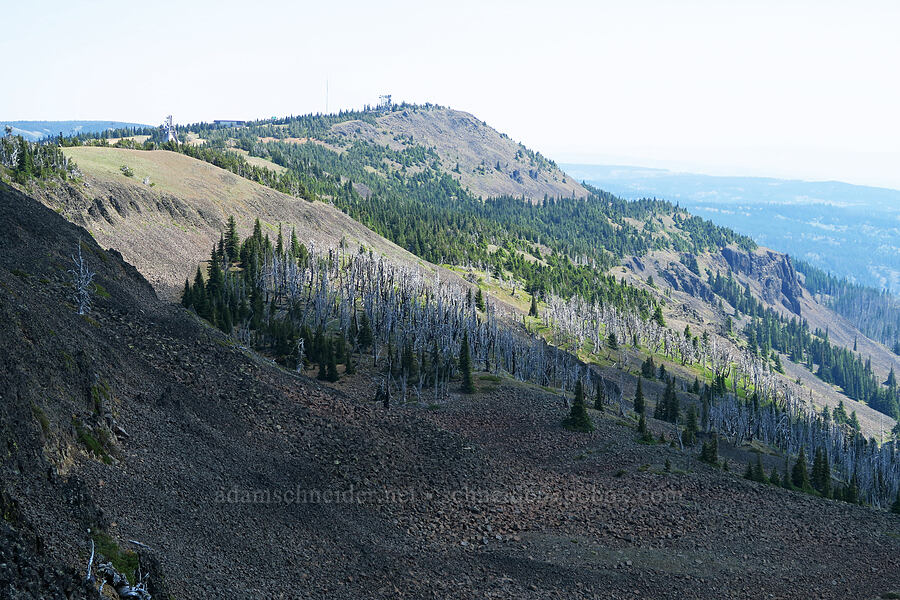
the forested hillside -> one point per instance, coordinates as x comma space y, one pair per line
876, 313
551, 246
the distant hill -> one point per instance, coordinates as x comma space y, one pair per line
482, 159
850, 230
34, 131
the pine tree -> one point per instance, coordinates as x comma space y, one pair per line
895, 507
748, 472
232, 241
465, 366
216, 282
825, 475
186, 299
758, 473
659, 411
709, 452
642, 429
612, 342
689, 435
778, 366
331, 371
600, 397
257, 232
775, 478
670, 400
533, 311
365, 332
639, 398
648, 368
578, 419
324, 355
786, 479
800, 472
198, 295
658, 316
851, 492
840, 413
479, 300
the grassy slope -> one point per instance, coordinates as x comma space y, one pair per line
166, 229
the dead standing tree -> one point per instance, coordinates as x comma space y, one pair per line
82, 281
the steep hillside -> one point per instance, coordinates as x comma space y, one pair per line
772, 280
169, 213
140, 427
578, 240
483, 160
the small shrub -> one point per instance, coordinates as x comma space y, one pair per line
125, 561
100, 290
41, 416
126, 171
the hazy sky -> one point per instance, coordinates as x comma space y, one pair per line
789, 89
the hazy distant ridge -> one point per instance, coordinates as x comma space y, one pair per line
851, 230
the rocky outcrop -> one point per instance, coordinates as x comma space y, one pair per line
681, 279
774, 271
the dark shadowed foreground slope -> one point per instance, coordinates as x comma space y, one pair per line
137, 423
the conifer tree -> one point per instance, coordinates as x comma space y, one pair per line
257, 232
648, 368
198, 295
709, 452
854, 421
642, 429
331, 371
758, 473
775, 478
216, 282
689, 435
748, 472
324, 355
465, 366
186, 299
800, 472
578, 419
600, 397
479, 300
778, 366
670, 402
612, 342
639, 398
365, 332
786, 479
232, 241
851, 492
895, 507
533, 311
658, 316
